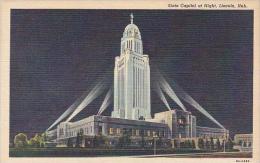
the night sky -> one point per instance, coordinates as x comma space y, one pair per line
56, 55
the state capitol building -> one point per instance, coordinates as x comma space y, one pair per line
131, 115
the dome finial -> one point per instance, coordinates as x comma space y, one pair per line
132, 18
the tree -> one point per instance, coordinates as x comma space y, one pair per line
20, 140
182, 144
211, 143
32, 143
79, 138
37, 141
230, 144
99, 141
106, 141
69, 142
193, 144
201, 143
44, 139
187, 144
95, 141
207, 144
240, 142
244, 144
223, 143
142, 139
175, 143
168, 143
159, 142
218, 146
120, 143
124, 140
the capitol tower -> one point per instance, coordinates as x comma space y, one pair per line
132, 77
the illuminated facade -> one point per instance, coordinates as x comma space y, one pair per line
132, 107
132, 77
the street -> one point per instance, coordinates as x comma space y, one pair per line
204, 155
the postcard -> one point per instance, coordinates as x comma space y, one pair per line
143, 81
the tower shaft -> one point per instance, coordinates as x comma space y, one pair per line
132, 78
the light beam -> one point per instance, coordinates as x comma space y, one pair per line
161, 95
94, 93
69, 110
167, 89
182, 94
107, 101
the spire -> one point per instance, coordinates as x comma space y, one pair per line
132, 18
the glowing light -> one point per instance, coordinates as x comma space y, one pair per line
183, 95
107, 101
167, 89
69, 110
94, 93
161, 95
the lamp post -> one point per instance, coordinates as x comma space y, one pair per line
225, 136
154, 144
224, 145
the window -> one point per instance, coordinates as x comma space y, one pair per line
148, 133
111, 131
135, 46
144, 132
137, 132
154, 133
133, 132
100, 130
118, 131
129, 131
61, 132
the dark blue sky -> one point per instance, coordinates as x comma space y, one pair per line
58, 54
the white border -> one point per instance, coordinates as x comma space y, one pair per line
6, 5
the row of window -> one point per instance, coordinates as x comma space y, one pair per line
86, 130
138, 87
137, 60
121, 86
129, 45
129, 33
211, 135
135, 132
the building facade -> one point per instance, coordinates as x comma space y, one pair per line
110, 128
208, 132
166, 126
132, 77
131, 115
181, 124
243, 142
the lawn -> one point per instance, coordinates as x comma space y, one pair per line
89, 152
